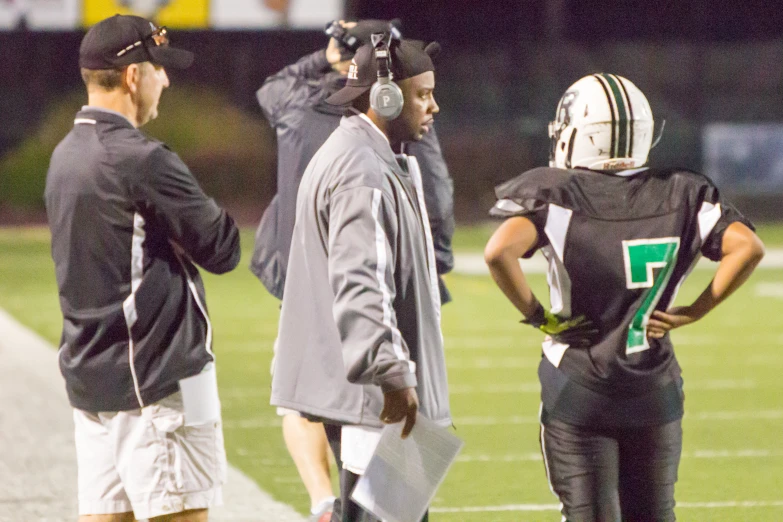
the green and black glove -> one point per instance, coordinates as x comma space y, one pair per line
578, 332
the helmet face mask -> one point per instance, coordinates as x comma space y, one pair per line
603, 122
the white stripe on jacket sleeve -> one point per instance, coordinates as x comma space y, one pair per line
380, 273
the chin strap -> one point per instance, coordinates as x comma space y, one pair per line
657, 139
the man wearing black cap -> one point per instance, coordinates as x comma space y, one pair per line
361, 273
294, 102
129, 224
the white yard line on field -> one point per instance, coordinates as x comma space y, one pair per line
489, 363
535, 387
698, 416
698, 454
472, 263
769, 290
687, 360
39, 481
556, 507
275, 422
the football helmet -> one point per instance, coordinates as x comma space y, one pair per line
603, 122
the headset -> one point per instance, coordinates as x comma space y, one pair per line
385, 96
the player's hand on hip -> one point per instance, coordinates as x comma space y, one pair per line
578, 332
660, 323
399, 405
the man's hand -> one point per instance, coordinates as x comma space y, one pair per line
660, 323
399, 405
334, 55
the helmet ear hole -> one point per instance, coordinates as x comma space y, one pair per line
562, 145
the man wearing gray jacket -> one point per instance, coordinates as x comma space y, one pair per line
294, 103
359, 342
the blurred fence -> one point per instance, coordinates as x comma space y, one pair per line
495, 104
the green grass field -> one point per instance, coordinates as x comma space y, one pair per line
732, 468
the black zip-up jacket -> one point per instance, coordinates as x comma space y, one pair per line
293, 101
134, 314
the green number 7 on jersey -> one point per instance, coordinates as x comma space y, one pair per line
642, 257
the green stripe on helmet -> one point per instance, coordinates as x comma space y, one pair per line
610, 101
630, 117
623, 141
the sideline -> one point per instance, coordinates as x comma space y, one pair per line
38, 461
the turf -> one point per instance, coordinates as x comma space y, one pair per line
732, 363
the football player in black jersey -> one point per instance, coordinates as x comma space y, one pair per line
620, 238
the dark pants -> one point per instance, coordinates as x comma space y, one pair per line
613, 474
345, 509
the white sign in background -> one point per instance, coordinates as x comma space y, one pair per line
40, 14
246, 14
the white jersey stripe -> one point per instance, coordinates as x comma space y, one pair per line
709, 215
557, 223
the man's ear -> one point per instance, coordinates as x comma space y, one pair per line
131, 77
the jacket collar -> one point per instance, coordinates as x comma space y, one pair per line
360, 124
93, 115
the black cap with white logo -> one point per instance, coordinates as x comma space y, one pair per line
125, 39
409, 58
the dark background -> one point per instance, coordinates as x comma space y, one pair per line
504, 66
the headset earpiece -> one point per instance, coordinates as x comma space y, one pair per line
386, 97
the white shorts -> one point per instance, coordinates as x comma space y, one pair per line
282, 412
147, 461
357, 445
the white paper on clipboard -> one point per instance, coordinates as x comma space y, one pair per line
403, 475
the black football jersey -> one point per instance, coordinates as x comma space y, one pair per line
619, 246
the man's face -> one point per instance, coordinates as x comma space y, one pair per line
150, 83
418, 110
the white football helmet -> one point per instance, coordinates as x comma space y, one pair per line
603, 122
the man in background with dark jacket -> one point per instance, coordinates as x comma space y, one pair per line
293, 101
129, 225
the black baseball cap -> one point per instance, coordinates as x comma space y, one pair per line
125, 39
409, 58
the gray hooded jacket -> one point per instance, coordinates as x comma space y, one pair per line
361, 314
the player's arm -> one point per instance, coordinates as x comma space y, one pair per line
512, 240
516, 238
741, 252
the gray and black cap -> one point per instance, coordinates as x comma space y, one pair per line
125, 39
